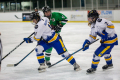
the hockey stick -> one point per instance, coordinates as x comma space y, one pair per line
17, 17
15, 48
67, 56
13, 65
1, 50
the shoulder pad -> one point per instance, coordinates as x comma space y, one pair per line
99, 20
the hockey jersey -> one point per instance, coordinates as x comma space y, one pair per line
41, 14
101, 25
43, 29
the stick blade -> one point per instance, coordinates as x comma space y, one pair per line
15, 16
10, 65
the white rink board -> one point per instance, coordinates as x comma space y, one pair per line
71, 15
73, 35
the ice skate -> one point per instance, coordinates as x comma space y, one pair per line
91, 70
40, 69
105, 67
48, 63
76, 67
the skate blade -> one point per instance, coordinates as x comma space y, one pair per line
78, 69
108, 68
90, 73
43, 70
44, 67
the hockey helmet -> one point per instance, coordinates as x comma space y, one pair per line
46, 8
36, 9
93, 13
34, 15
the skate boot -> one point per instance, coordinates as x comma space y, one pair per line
41, 69
48, 63
91, 70
105, 67
76, 67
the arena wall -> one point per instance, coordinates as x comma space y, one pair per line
73, 16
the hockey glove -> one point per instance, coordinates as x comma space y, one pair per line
85, 45
104, 36
28, 40
58, 28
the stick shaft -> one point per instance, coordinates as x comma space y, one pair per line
65, 58
24, 57
15, 47
70, 55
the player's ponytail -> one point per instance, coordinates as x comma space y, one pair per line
89, 24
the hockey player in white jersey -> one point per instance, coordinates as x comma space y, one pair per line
47, 38
105, 29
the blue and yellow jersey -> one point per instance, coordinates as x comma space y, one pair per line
43, 29
103, 25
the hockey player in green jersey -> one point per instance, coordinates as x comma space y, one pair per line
57, 21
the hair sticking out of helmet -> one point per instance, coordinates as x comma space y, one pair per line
93, 16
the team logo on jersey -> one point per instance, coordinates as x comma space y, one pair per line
36, 26
53, 19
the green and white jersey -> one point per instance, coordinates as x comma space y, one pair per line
57, 18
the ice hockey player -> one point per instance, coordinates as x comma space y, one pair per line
57, 21
105, 29
47, 38
1, 49
40, 12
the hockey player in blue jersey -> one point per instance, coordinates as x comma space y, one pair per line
47, 38
105, 29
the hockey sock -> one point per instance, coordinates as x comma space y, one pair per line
70, 59
40, 58
108, 58
47, 56
95, 61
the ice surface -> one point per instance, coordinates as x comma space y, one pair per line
73, 35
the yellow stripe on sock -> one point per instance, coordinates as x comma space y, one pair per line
108, 59
40, 57
95, 62
69, 59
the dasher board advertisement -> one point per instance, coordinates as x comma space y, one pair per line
77, 16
